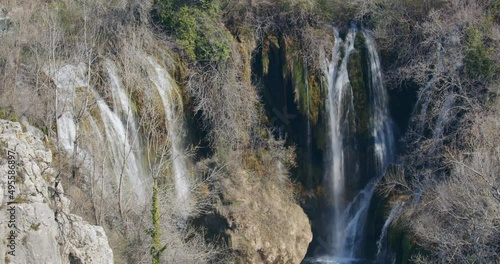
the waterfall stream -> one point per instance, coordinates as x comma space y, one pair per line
113, 131
395, 211
165, 87
124, 158
338, 84
350, 214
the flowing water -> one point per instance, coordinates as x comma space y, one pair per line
115, 130
395, 211
350, 215
117, 137
338, 86
166, 90
124, 159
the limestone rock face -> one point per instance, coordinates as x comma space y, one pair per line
46, 231
263, 224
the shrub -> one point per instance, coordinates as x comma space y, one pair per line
196, 28
477, 59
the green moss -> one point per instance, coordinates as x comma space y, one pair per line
316, 103
8, 114
35, 227
494, 14
265, 63
155, 232
357, 78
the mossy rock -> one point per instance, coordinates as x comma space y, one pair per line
8, 114
359, 79
316, 103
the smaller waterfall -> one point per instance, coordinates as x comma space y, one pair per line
122, 105
395, 211
121, 100
124, 159
381, 121
444, 116
164, 84
118, 142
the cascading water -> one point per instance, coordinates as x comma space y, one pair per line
124, 158
395, 211
119, 139
163, 83
381, 121
444, 115
121, 100
338, 84
349, 217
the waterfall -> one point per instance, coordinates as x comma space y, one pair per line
124, 159
395, 211
118, 141
349, 217
443, 117
121, 100
381, 121
309, 136
164, 85
338, 83
122, 105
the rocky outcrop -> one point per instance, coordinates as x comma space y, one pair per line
46, 232
263, 224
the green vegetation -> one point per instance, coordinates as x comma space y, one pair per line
197, 28
358, 74
155, 232
478, 57
8, 114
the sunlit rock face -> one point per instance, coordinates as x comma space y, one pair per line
47, 231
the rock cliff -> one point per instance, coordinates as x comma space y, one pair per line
46, 231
